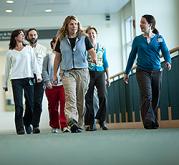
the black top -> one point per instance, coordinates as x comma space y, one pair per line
72, 42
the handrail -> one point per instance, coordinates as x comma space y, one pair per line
174, 50
118, 75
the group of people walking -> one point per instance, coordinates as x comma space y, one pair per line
71, 71
64, 74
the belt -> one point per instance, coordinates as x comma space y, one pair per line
149, 71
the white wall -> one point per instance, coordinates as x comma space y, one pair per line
108, 31
6, 118
166, 15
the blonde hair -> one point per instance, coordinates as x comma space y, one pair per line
63, 31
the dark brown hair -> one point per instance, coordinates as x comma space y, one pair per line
151, 20
14, 34
91, 27
53, 41
27, 32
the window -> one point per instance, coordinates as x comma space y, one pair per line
128, 37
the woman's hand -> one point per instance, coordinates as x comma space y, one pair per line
39, 80
107, 82
168, 65
126, 78
49, 85
5, 89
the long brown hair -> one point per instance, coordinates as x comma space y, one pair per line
14, 34
63, 31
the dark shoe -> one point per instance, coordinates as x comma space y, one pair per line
75, 129
148, 124
87, 128
28, 129
90, 128
20, 132
80, 128
36, 130
103, 126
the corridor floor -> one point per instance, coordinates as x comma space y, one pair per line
112, 147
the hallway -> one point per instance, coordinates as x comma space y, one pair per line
113, 147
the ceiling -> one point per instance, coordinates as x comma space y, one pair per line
35, 8
28, 8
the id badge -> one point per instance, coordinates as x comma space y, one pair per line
30, 82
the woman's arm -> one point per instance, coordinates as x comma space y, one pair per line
92, 53
57, 61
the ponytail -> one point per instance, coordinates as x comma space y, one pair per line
155, 31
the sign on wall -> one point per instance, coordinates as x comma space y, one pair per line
5, 35
43, 34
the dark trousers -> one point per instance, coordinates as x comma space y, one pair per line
18, 86
149, 84
96, 79
34, 118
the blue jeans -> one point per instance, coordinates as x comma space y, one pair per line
18, 86
149, 84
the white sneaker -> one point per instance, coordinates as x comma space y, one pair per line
66, 130
54, 130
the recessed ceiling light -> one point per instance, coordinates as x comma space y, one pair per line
8, 11
9, 1
48, 10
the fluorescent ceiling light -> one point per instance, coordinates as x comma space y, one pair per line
48, 10
8, 11
9, 1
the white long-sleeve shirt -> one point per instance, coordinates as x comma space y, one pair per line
21, 64
40, 52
